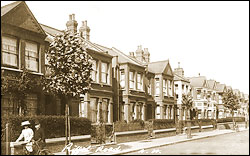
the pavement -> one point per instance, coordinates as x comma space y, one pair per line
147, 144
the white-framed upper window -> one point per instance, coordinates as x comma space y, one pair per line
198, 94
131, 80
94, 73
105, 72
157, 87
31, 56
9, 51
139, 81
170, 88
122, 79
165, 93
149, 87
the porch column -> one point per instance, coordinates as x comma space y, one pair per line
172, 112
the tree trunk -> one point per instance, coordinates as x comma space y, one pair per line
233, 120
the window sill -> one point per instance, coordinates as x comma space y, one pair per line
19, 70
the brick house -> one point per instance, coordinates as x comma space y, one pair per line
22, 45
101, 93
221, 88
212, 99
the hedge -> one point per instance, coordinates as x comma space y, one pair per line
54, 126
163, 123
122, 126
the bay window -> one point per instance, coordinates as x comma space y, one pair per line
157, 87
105, 73
9, 51
165, 87
122, 79
139, 81
131, 80
94, 73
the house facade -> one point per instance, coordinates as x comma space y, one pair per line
181, 86
212, 98
199, 92
221, 89
22, 46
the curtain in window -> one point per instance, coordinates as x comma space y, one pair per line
104, 72
94, 71
31, 56
157, 87
9, 51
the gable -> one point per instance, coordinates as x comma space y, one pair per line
168, 70
21, 16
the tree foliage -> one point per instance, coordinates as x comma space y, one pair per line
69, 64
187, 102
230, 100
18, 85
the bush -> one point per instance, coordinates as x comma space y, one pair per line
163, 123
54, 126
206, 122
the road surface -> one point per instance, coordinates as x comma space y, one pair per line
226, 144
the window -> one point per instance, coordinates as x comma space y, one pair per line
165, 93
31, 56
149, 87
105, 73
122, 79
105, 110
131, 80
122, 111
93, 108
198, 94
139, 81
94, 73
170, 88
157, 87
9, 51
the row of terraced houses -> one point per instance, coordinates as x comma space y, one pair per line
125, 87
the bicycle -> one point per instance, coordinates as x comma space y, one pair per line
38, 150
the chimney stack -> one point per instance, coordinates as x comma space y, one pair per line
139, 53
132, 54
179, 71
72, 24
146, 55
84, 30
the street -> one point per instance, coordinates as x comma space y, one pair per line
227, 144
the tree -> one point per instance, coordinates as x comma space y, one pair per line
231, 102
187, 102
18, 85
70, 69
70, 66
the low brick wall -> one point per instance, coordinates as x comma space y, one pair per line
131, 136
160, 133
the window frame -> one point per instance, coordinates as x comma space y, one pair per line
139, 83
105, 72
132, 80
157, 88
9, 53
36, 58
95, 71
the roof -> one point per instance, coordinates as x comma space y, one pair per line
197, 81
122, 58
229, 87
5, 9
158, 67
28, 20
50, 32
211, 84
220, 87
180, 78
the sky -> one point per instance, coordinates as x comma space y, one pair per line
206, 37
